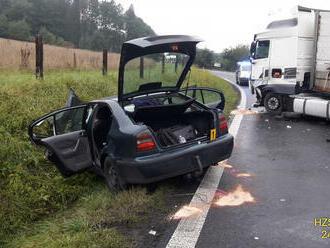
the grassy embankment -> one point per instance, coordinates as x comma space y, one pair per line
38, 208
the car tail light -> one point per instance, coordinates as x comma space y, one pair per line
223, 127
145, 142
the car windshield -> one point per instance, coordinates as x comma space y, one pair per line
246, 67
162, 69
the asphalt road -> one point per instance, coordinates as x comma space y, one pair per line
289, 161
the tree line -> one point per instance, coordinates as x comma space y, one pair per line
87, 24
90, 24
227, 58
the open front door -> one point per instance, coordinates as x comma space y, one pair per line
210, 97
63, 133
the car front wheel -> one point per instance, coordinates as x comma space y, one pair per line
112, 177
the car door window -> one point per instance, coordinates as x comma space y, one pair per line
63, 134
44, 128
59, 122
69, 121
211, 97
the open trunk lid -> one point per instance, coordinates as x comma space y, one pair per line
155, 64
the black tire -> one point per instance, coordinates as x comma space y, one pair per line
112, 177
273, 103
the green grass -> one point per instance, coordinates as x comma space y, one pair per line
203, 78
30, 187
152, 73
36, 203
92, 220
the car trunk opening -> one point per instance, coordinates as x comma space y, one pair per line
175, 124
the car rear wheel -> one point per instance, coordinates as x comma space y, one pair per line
273, 103
112, 177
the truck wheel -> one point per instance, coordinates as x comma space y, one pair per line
273, 103
111, 174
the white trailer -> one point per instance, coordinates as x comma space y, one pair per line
291, 64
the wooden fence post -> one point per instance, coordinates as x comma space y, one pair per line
74, 61
163, 64
39, 57
176, 62
141, 67
105, 62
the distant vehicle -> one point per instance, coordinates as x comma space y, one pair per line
243, 72
152, 131
291, 64
217, 65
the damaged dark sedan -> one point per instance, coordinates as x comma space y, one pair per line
153, 130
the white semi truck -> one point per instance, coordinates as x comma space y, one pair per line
291, 64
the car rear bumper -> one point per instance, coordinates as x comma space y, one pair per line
168, 164
244, 80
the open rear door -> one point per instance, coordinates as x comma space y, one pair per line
210, 97
63, 133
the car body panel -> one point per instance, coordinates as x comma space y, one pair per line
168, 164
72, 146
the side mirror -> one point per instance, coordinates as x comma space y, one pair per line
253, 49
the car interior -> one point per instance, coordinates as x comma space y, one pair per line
100, 127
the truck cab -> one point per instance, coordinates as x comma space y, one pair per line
282, 60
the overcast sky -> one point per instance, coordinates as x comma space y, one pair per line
220, 23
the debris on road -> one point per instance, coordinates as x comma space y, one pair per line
225, 164
186, 212
243, 175
220, 193
243, 112
237, 197
152, 232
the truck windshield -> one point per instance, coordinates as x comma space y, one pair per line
262, 49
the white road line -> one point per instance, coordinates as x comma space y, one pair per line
188, 230
234, 126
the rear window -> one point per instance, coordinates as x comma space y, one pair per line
162, 69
